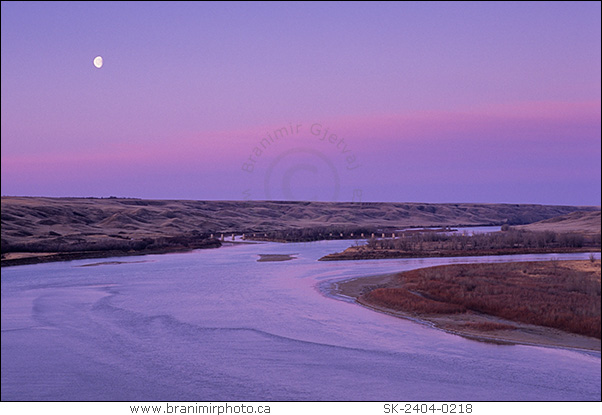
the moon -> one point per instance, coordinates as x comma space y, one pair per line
98, 62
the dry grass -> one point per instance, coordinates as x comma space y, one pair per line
584, 222
32, 222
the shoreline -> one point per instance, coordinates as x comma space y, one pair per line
355, 289
45, 229
354, 254
47, 257
31, 258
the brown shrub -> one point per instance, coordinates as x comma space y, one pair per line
403, 300
540, 293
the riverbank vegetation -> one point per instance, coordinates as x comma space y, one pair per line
563, 295
443, 244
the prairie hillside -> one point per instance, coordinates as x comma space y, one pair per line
41, 224
587, 222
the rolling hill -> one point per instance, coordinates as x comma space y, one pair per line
44, 225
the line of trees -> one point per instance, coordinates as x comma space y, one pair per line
317, 233
494, 240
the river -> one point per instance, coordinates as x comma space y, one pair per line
215, 324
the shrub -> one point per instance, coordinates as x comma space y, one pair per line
403, 300
541, 293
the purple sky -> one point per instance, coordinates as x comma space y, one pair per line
430, 102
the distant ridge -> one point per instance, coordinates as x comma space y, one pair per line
42, 224
580, 221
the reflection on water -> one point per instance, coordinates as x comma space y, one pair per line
219, 325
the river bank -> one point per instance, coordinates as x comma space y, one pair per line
470, 323
354, 253
43, 229
29, 258
236, 327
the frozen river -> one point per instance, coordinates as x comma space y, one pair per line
216, 325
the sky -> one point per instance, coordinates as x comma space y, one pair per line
368, 102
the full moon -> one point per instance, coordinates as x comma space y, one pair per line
98, 62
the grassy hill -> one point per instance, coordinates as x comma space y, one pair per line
43, 225
580, 221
